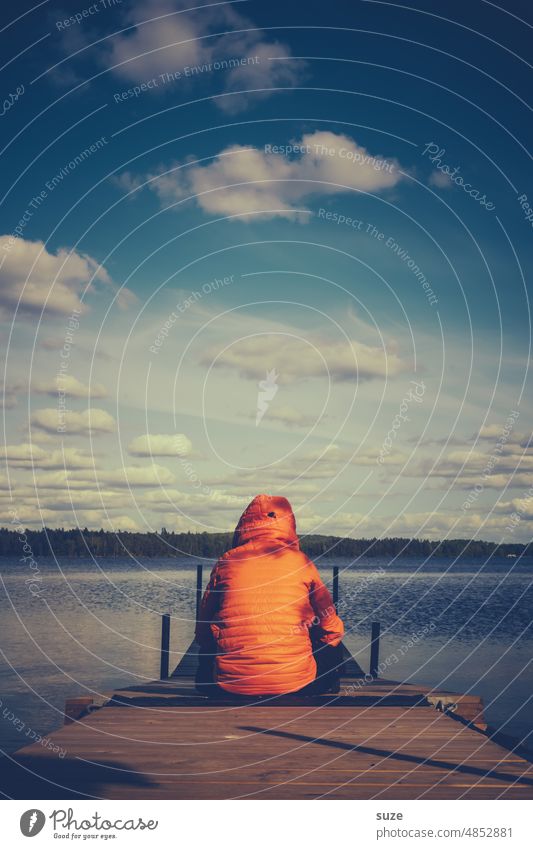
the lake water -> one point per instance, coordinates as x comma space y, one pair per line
85, 627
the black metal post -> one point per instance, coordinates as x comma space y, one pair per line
336, 587
199, 587
374, 649
165, 644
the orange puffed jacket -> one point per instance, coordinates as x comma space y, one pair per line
262, 597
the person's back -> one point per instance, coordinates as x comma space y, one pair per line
262, 598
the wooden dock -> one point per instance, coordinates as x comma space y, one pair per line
377, 739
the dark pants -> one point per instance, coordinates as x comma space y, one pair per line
328, 661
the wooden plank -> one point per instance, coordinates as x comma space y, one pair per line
376, 739
261, 751
469, 707
356, 693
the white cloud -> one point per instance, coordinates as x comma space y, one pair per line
67, 497
31, 277
55, 343
439, 525
28, 456
9, 397
59, 512
440, 180
488, 468
505, 436
268, 66
324, 463
522, 506
170, 37
120, 523
295, 360
164, 43
92, 420
123, 476
70, 385
289, 416
338, 524
128, 182
127, 476
245, 180
160, 445
28, 516
215, 499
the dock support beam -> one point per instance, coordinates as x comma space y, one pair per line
336, 587
199, 588
165, 645
374, 649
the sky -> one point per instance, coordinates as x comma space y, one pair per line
281, 248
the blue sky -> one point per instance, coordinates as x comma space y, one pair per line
267, 248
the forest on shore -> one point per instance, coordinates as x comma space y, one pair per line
81, 542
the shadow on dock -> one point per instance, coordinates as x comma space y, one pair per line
37, 777
375, 739
383, 754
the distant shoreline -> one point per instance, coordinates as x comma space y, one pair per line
82, 543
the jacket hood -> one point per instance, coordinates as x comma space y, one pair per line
267, 517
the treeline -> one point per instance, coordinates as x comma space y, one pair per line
78, 542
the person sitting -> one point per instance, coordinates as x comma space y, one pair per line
263, 607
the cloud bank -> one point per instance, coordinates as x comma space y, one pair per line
269, 182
